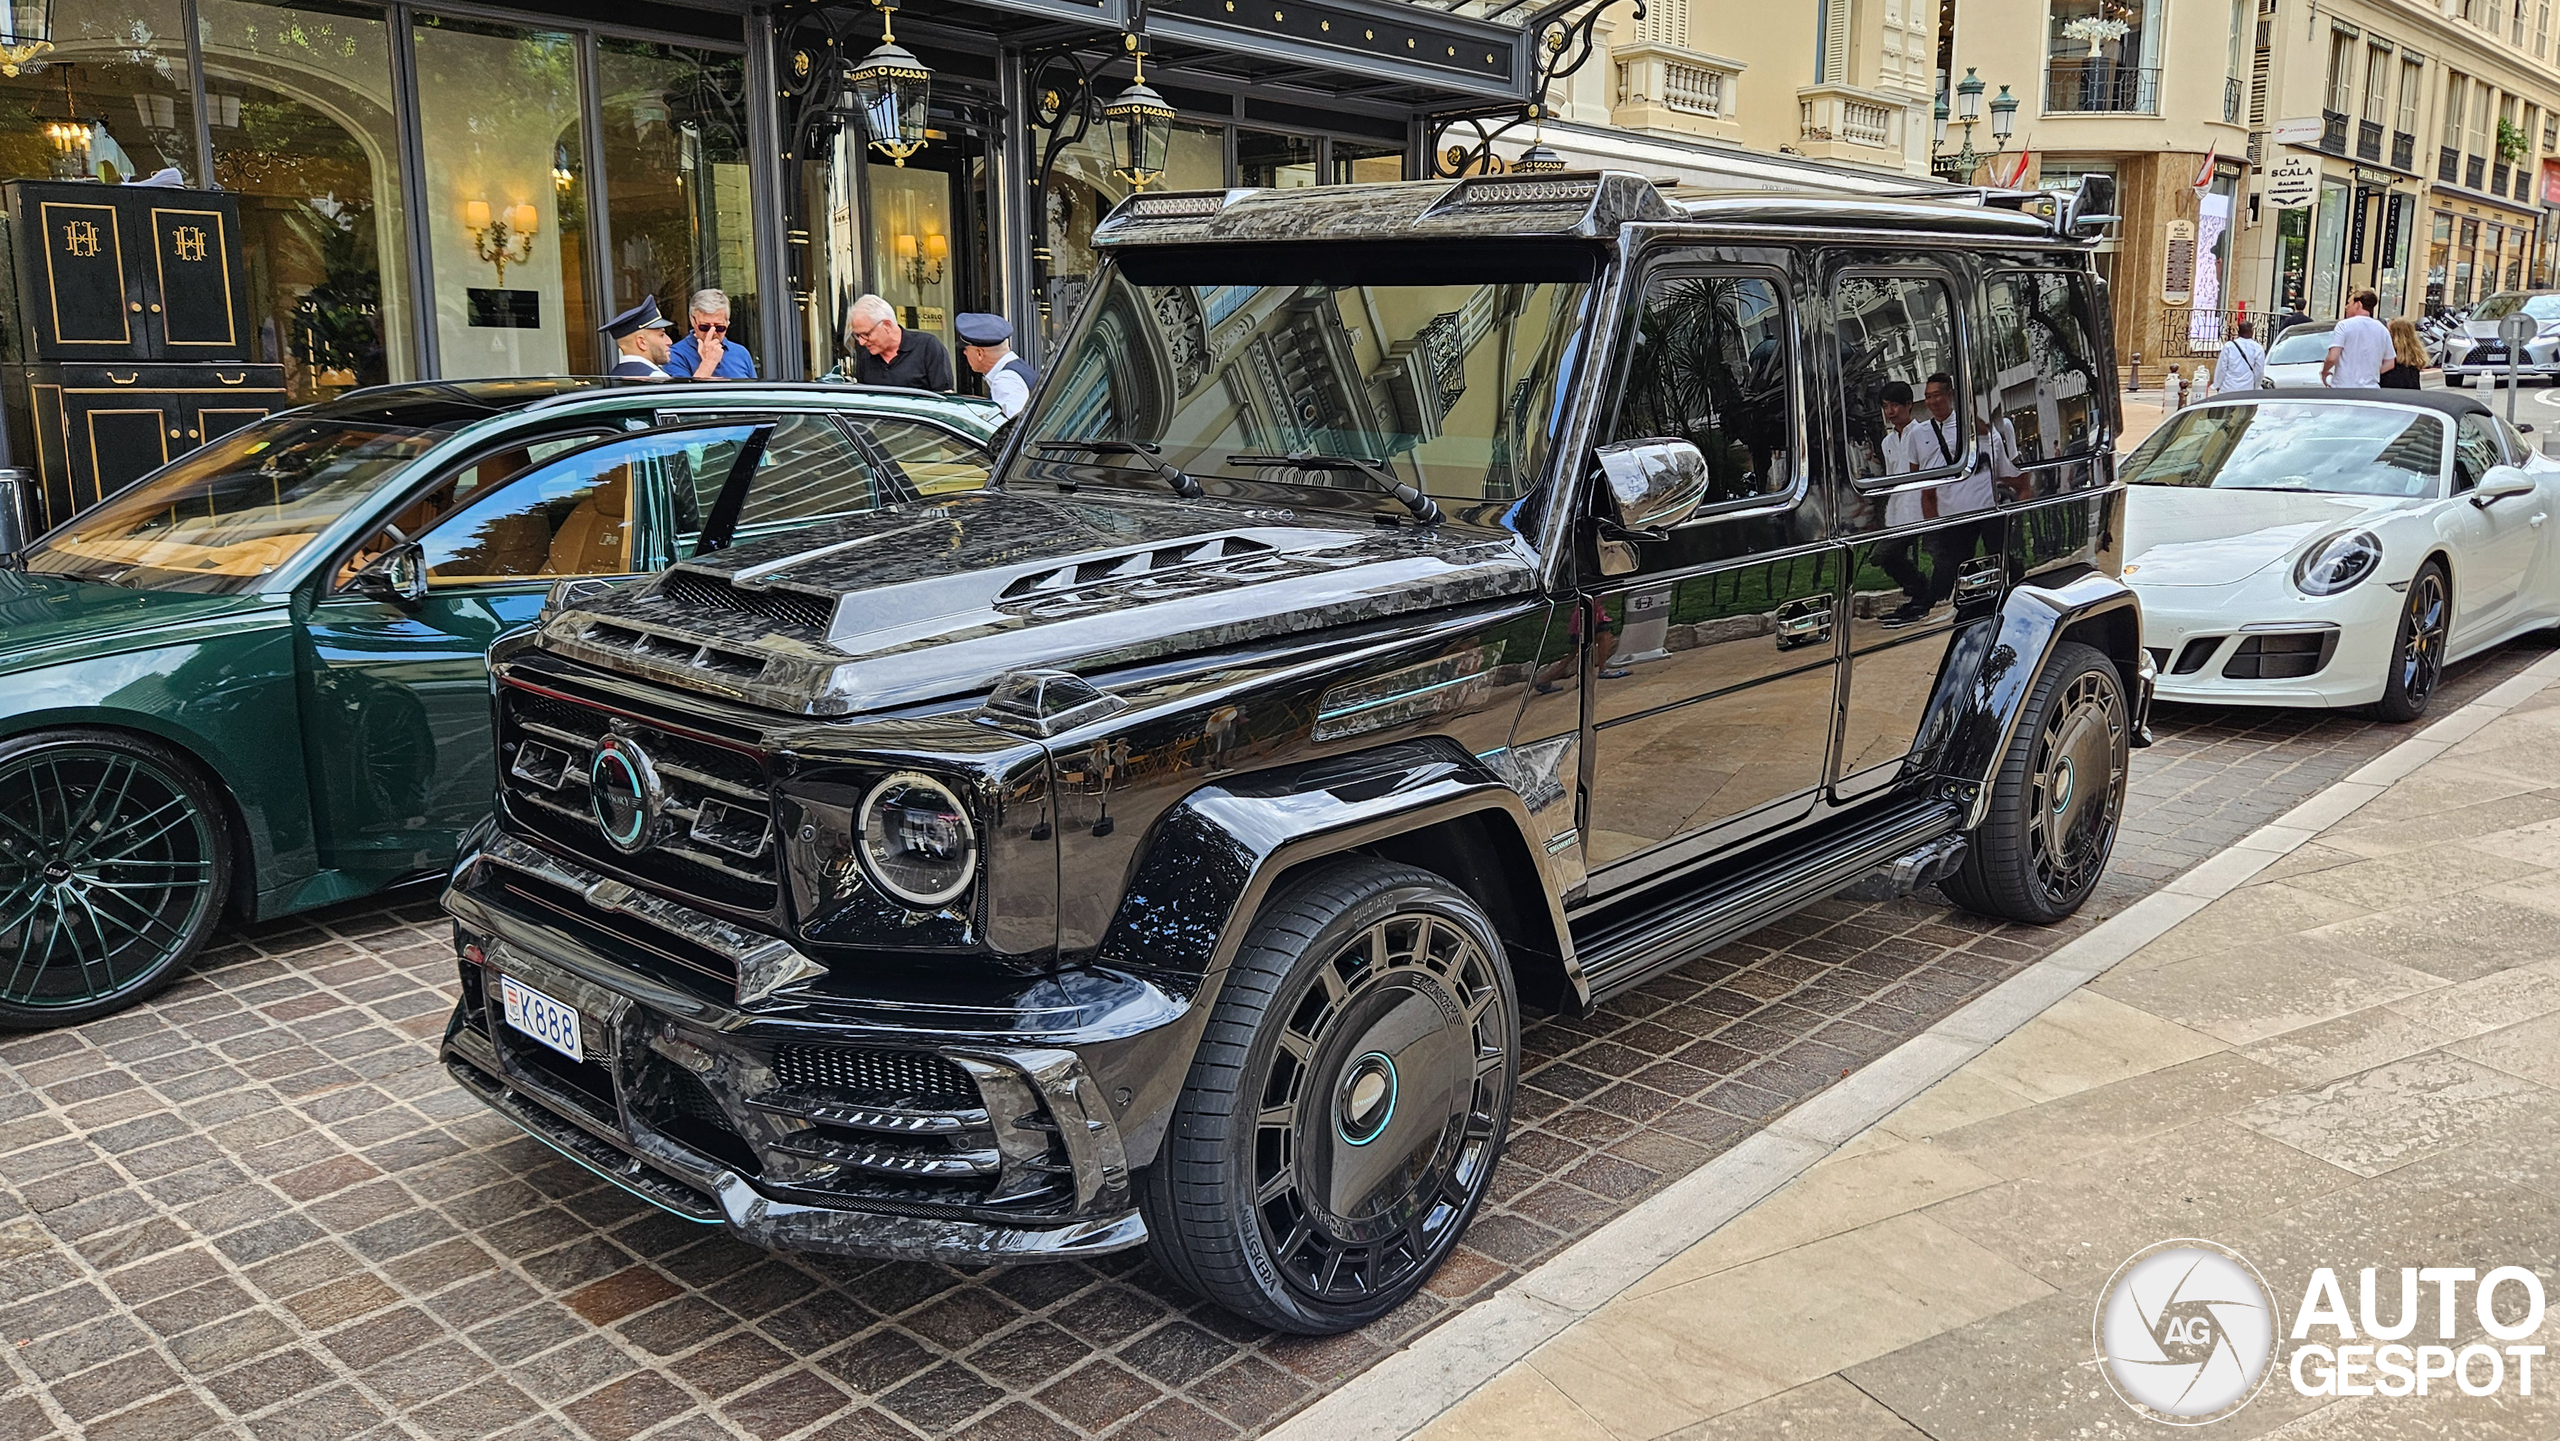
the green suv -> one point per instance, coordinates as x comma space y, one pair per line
256, 682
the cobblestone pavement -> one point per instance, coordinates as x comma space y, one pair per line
256, 1207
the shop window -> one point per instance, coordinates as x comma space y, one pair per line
2044, 365
1900, 329
674, 129
111, 101
298, 102
502, 129
1277, 162
1710, 367
2465, 246
1359, 163
2439, 254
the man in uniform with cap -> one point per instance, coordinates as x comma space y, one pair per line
640, 334
986, 343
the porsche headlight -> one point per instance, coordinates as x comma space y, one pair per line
2339, 563
916, 841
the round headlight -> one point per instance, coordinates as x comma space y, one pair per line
917, 843
2338, 563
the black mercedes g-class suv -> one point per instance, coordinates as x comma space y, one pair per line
1401, 606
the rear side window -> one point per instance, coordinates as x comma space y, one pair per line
1710, 366
933, 460
2475, 449
2044, 363
1897, 339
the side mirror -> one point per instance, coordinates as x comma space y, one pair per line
1654, 483
2503, 482
2092, 208
398, 575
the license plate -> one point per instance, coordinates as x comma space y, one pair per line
542, 1018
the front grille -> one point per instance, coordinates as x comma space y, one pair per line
2281, 657
785, 607
681, 1108
716, 842
877, 1075
2194, 654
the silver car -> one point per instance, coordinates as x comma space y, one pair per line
2475, 349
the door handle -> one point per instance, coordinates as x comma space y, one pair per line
2539, 517
115, 379
134, 305
1807, 625
1978, 576
241, 379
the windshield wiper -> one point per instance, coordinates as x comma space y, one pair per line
1372, 471
1182, 484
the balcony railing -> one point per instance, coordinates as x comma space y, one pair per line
2501, 177
1662, 87
2475, 169
2369, 140
2404, 150
2333, 131
2079, 85
2231, 94
2449, 165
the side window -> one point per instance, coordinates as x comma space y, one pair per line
933, 460
570, 521
2475, 449
2044, 401
1710, 366
810, 471
460, 487
1900, 376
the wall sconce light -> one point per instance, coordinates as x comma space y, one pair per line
501, 240
26, 32
1141, 126
889, 90
923, 257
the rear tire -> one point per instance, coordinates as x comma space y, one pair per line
113, 871
2058, 797
1347, 1105
2417, 648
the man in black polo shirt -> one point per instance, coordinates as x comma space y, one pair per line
886, 353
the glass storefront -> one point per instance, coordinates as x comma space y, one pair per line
672, 123
112, 101
2439, 261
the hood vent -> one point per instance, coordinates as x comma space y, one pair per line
1135, 564
795, 608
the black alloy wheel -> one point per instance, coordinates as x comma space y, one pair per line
2058, 799
1347, 1105
2417, 652
112, 873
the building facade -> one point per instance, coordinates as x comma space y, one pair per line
2278, 155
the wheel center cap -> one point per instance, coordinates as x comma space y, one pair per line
2063, 774
56, 872
1367, 1098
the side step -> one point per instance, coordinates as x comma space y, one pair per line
1626, 951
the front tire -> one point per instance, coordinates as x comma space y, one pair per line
2417, 649
112, 873
1347, 1105
2058, 797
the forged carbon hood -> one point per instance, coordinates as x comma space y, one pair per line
924, 603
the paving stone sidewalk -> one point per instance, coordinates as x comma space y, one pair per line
2351, 1060
255, 1206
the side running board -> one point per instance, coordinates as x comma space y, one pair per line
1625, 951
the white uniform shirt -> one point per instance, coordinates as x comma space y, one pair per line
2364, 347
1005, 387
2242, 364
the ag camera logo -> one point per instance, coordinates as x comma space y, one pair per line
2185, 1331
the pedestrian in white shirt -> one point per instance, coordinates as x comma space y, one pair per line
2243, 362
2359, 349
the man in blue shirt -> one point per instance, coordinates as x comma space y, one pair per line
708, 353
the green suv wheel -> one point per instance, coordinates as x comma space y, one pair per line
1347, 1105
112, 873
2058, 798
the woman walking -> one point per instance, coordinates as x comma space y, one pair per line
2408, 357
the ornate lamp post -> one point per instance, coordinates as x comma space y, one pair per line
1960, 166
26, 33
1141, 126
889, 90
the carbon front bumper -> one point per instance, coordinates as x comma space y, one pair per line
788, 1123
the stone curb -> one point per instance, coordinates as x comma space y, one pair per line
1411, 1388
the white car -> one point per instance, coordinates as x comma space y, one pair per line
2298, 354
2336, 548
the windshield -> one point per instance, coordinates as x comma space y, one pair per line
2303, 342
2310, 446
2508, 302
1445, 368
221, 517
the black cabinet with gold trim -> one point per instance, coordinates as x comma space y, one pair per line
126, 334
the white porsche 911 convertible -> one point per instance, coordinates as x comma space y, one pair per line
2335, 547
